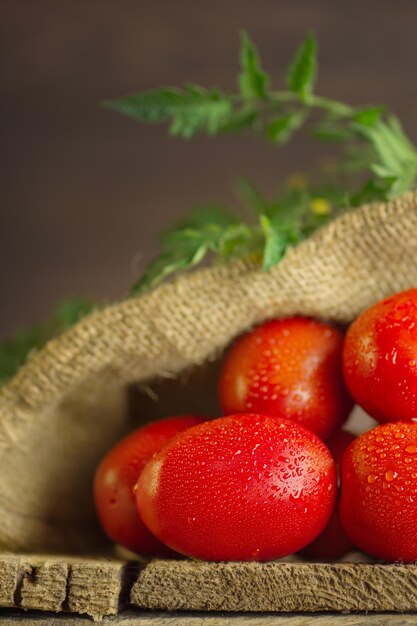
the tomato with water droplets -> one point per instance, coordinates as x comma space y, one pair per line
332, 543
116, 476
378, 509
290, 368
242, 487
380, 358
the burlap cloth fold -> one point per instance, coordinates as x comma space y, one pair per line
67, 404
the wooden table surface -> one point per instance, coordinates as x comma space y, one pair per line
254, 593
145, 618
139, 618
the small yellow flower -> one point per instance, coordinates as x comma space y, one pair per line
297, 181
320, 206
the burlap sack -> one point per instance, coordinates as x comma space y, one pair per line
68, 403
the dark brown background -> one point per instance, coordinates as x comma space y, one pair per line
85, 191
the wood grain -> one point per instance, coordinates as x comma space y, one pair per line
276, 586
159, 618
101, 587
83, 586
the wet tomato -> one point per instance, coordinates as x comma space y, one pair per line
118, 473
378, 509
243, 487
290, 368
380, 358
332, 543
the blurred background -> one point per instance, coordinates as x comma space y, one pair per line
85, 191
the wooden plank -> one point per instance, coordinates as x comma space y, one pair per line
43, 585
9, 571
95, 587
99, 587
85, 586
146, 618
193, 585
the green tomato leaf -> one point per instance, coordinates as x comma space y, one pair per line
278, 236
395, 156
246, 119
281, 129
382, 171
158, 269
191, 110
368, 116
149, 106
301, 75
372, 142
253, 81
13, 353
71, 311
331, 131
405, 181
239, 240
186, 245
371, 191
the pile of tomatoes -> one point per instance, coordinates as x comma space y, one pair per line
277, 475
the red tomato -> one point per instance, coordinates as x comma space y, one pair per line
333, 543
290, 368
243, 487
380, 358
378, 509
117, 474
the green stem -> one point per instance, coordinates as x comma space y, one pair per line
333, 106
311, 101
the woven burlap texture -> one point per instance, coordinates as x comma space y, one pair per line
65, 406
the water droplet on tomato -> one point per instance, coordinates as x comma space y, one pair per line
371, 478
296, 495
390, 475
411, 449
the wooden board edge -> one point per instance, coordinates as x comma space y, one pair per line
271, 587
100, 587
85, 586
163, 618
